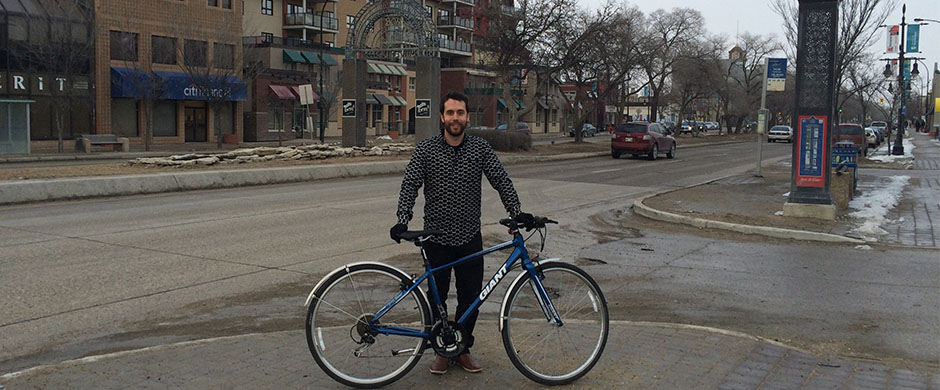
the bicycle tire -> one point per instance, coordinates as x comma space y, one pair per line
540, 350
336, 309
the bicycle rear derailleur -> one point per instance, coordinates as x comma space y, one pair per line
447, 339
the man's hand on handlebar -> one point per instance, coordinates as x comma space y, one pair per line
394, 232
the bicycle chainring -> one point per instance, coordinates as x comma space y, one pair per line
448, 341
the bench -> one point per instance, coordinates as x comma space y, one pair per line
85, 142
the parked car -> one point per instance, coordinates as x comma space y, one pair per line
879, 124
670, 126
638, 138
780, 133
520, 127
479, 128
588, 130
709, 126
854, 133
871, 135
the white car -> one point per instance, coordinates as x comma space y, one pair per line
780, 133
871, 136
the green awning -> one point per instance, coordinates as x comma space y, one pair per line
500, 104
293, 56
519, 105
312, 58
374, 69
329, 60
385, 69
398, 70
402, 100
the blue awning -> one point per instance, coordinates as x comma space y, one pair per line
182, 86
130, 83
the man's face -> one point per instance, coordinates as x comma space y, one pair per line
454, 117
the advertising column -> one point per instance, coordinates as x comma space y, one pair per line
810, 195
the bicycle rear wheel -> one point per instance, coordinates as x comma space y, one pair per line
543, 351
336, 329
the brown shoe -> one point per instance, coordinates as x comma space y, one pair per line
440, 365
468, 363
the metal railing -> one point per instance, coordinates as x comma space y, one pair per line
267, 41
448, 21
453, 45
322, 22
470, 2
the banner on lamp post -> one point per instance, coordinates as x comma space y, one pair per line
776, 74
912, 45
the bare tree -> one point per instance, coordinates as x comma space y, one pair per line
858, 26
746, 74
670, 36
61, 42
695, 78
510, 38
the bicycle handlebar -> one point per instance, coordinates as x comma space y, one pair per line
536, 223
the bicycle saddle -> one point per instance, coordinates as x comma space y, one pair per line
418, 234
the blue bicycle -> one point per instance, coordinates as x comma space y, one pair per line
369, 323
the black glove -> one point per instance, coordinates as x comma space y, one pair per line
525, 219
399, 228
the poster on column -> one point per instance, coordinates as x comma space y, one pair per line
811, 151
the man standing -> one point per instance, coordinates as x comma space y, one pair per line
450, 166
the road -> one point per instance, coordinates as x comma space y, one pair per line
94, 276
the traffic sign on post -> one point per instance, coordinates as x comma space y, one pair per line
776, 74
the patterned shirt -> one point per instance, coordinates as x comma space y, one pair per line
452, 179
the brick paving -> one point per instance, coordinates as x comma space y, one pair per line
645, 356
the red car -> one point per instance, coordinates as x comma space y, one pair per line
854, 133
638, 138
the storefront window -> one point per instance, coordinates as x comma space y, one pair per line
40, 118
124, 117
227, 118
80, 122
275, 119
164, 118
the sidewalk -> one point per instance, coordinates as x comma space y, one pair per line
909, 216
638, 356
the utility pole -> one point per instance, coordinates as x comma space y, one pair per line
898, 149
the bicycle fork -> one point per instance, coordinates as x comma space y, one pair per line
548, 309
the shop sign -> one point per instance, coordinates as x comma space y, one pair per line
44, 84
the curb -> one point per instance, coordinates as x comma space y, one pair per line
701, 223
14, 192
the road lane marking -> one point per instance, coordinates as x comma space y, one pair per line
607, 170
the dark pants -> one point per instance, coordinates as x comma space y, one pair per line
469, 278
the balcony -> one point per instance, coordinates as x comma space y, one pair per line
279, 42
321, 22
466, 2
455, 21
455, 47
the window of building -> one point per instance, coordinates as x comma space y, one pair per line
411, 83
376, 115
164, 118
194, 53
224, 55
275, 120
227, 4
124, 117
350, 22
213, 3
267, 7
554, 117
267, 37
164, 50
123, 46
430, 10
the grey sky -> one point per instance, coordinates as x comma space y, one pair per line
730, 16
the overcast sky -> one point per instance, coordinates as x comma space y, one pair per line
756, 16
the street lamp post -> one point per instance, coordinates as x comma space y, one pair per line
898, 149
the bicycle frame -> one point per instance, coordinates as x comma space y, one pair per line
519, 253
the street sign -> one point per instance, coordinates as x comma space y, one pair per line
811, 150
349, 108
762, 121
913, 38
776, 74
422, 108
306, 94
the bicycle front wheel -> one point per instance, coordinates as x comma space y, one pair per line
337, 326
543, 351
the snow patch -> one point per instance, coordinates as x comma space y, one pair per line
883, 154
872, 207
787, 194
779, 213
863, 247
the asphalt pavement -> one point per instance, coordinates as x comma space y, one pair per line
639, 354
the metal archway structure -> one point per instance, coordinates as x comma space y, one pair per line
407, 30
391, 30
